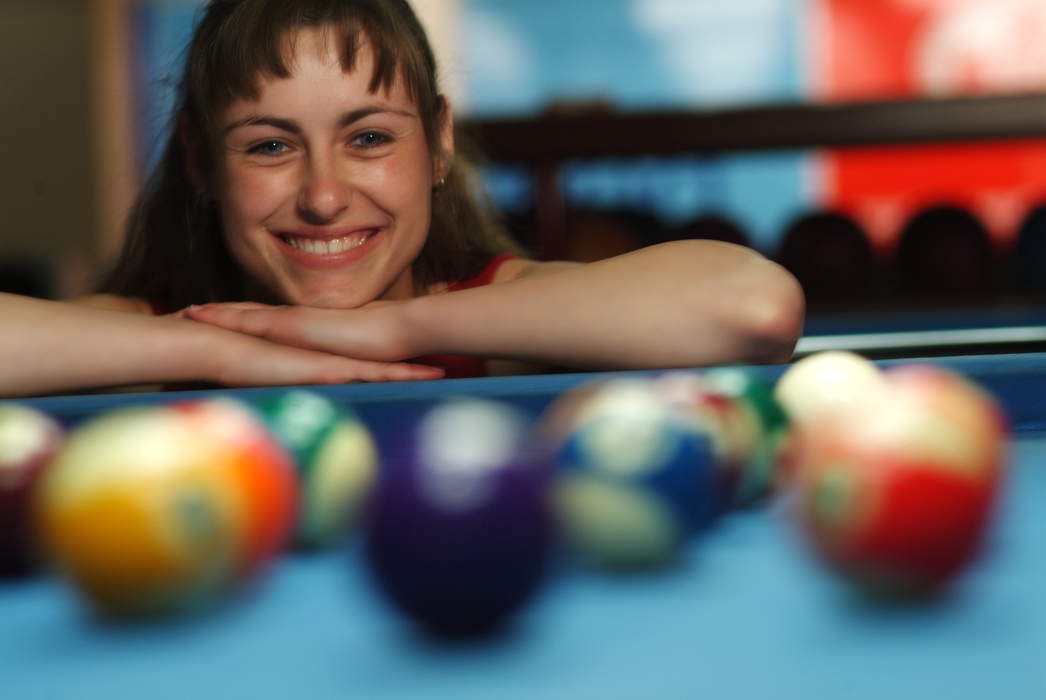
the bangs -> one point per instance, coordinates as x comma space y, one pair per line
254, 38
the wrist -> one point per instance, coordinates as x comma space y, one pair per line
204, 352
417, 324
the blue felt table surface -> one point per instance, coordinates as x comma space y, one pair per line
1018, 381
746, 615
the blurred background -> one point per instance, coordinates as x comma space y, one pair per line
87, 92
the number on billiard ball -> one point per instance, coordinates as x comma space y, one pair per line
264, 472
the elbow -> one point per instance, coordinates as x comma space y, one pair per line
773, 320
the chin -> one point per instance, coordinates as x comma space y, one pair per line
332, 291
330, 299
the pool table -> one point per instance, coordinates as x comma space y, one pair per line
746, 614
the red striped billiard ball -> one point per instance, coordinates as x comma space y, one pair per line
897, 492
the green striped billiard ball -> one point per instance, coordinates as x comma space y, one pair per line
336, 458
755, 398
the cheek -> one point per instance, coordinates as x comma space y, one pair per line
249, 198
402, 187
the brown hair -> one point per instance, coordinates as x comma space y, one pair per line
175, 254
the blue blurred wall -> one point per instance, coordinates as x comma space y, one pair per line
636, 54
522, 55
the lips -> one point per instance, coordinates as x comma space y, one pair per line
327, 246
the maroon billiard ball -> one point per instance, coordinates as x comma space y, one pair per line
28, 441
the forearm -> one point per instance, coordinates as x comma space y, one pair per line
674, 305
46, 347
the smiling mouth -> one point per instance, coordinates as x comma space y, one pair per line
315, 246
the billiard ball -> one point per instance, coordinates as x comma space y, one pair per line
162, 510
336, 458
264, 470
459, 530
733, 431
28, 441
137, 510
633, 478
897, 492
826, 383
754, 400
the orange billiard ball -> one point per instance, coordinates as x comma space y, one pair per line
162, 510
264, 470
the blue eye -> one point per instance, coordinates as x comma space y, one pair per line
371, 139
269, 148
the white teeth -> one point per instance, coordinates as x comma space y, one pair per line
313, 246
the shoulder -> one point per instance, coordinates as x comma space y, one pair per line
517, 268
504, 268
112, 302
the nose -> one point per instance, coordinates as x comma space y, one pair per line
325, 193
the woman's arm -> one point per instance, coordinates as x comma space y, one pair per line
681, 304
49, 347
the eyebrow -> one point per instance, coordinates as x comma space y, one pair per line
293, 127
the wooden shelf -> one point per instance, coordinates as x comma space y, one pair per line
551, 139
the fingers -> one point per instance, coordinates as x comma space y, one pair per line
321, 369
231, 305
391, 372
261, 363
199, 311
252, 319
371, 335
378, 303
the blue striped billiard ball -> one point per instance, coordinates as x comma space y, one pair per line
633, 477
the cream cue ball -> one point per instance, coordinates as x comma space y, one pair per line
827, 382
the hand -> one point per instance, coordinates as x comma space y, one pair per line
49, 347
244, 361
372, 332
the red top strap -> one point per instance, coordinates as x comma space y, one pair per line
158, 309
485, 277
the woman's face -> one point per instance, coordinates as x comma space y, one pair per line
325, 188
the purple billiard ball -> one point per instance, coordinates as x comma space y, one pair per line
459, 532
28, 441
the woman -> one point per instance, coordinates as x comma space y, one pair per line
314, 167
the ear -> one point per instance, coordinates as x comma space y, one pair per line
442, 164
192, 146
